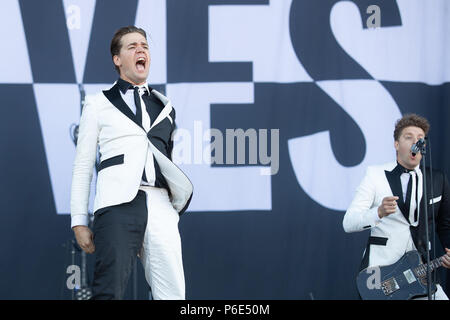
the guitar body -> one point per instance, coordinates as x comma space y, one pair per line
84, 293
398, 281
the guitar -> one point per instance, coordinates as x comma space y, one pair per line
403, 280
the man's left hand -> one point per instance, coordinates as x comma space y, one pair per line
446, 259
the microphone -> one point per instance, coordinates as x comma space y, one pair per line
418, 146
82, 96
74, 127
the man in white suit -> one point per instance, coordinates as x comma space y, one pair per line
386, 203
140, 192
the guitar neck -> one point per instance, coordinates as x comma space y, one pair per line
421, 270
83, 270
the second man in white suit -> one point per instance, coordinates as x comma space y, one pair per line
389, 202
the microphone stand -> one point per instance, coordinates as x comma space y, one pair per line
433, 225
427, 236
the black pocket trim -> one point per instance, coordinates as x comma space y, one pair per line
380, 241
111, 162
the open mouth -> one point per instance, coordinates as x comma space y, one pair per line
140, 64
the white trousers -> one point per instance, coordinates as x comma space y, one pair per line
161, 251
439, 295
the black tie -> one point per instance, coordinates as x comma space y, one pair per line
412, 197
137, 102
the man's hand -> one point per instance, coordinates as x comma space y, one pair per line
446, 259
84, 238
388, 206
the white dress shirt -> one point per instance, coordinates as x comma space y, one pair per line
128, 97
404, 179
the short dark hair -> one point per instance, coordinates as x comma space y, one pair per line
410, 120
116, 42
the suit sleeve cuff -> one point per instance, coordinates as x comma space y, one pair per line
373, 219
79, 220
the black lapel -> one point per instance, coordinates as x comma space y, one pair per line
113, 95
437, 187
418, 233
153, 105
396, 186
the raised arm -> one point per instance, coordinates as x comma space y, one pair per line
362, 213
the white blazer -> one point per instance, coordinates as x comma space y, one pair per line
124, 147
391, 234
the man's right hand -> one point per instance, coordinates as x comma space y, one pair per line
84, 238
388, 206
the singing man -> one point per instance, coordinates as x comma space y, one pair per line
140, 192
